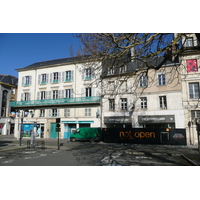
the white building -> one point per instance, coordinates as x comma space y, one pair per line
62, 88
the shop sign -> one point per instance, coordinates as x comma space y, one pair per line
118, 119
156, 119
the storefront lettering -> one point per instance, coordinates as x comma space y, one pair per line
140, 135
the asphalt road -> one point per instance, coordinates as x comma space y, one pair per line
98, 154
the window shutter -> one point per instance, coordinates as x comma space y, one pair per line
72, 75
93, 92
63, 77
58, 112
72, 94
39, 79
22, 96
23, 78
83, 75
38, 95
59, 77
30, 80
49, 96
83, 92
47, 78
51, 77
62, 93
29, 96
65, 112
50, 113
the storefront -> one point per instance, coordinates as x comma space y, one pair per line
157, 121
28, 129
118, 122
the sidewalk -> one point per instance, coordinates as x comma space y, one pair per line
9, 143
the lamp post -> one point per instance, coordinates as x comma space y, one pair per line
21, 115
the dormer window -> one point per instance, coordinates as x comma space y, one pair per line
189, 42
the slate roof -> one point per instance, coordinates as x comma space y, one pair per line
9, 79
55, 62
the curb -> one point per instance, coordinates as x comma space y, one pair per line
189, 160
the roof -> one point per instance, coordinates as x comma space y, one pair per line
8, 79
56, 62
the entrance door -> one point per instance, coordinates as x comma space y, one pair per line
53, 133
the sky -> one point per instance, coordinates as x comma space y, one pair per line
18, 50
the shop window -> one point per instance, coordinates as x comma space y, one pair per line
111, 104
192, 65
143, 102
163, 102
124, 104
194, 90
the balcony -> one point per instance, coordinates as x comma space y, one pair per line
64, 101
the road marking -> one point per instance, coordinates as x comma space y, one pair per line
8, 161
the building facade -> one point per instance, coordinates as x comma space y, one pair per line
56, 89
8, 90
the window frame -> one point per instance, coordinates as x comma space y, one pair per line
143, 102
163, 102
123, 104
193, 95
111, 104
161, 79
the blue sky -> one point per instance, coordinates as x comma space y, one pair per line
18, 50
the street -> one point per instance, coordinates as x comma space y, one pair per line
97, 154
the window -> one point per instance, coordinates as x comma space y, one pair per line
195, 115
26, 81
55, 77
26, 96
143, 102
67, 112
55, 94
111, 71
122, 69
68, 76
88, 74
194, 90
68, 93
143, 81
42, 95
88, 92
123, 86
111, 86
163, 102
192, 65
124, 104
87, 112
44, 79
111, 104
189, 42
161, 79
54, 112
42, 113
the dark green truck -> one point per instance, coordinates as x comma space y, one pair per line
91, 134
